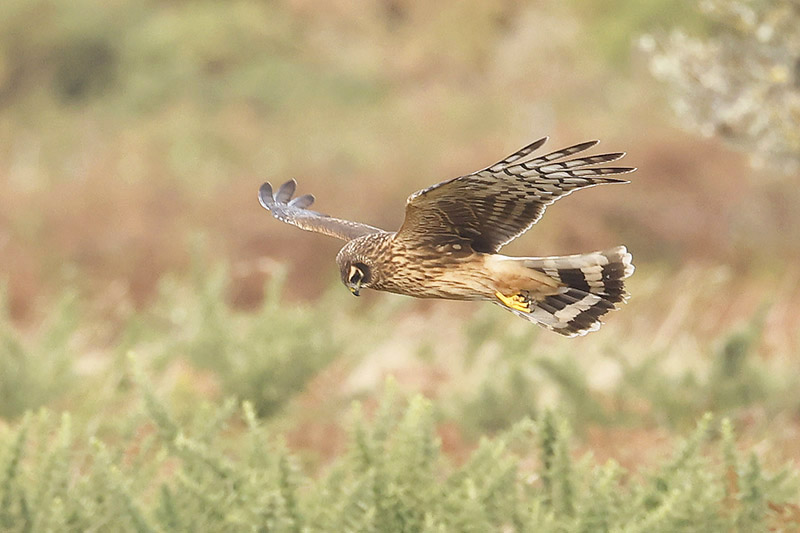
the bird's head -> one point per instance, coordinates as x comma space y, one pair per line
360, 263
356, 275
356, 268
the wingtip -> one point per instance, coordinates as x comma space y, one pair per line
286, 191
618, 170
538, 143
626, 170
574, 149
302, 202
265, 197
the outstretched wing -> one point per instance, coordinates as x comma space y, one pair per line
489, 208
295, 212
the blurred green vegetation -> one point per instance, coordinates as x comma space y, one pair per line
741, 82
40, 371
224, 471
268, 355
265, 356
727, 375
616, 23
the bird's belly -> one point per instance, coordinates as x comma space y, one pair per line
475, 277
463, 279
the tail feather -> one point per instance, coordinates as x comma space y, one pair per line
591, 285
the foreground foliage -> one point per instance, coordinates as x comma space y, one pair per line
223, 471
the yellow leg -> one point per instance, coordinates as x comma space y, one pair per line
515, 301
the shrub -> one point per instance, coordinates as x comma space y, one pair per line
742, 81
265, 356
37, 370
225, 473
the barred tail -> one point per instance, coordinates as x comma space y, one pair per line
592, 285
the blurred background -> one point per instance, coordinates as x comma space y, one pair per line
134, 136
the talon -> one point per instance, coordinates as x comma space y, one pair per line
517, 302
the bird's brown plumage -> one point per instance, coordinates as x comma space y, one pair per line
448, 243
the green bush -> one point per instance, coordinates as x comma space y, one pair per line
667, 386
740, 82
224, 472
208, 464
265, 356
39, 369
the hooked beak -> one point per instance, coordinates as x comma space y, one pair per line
354, 289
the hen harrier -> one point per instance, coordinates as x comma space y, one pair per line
447, 246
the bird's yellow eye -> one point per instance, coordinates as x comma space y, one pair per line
355, 274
